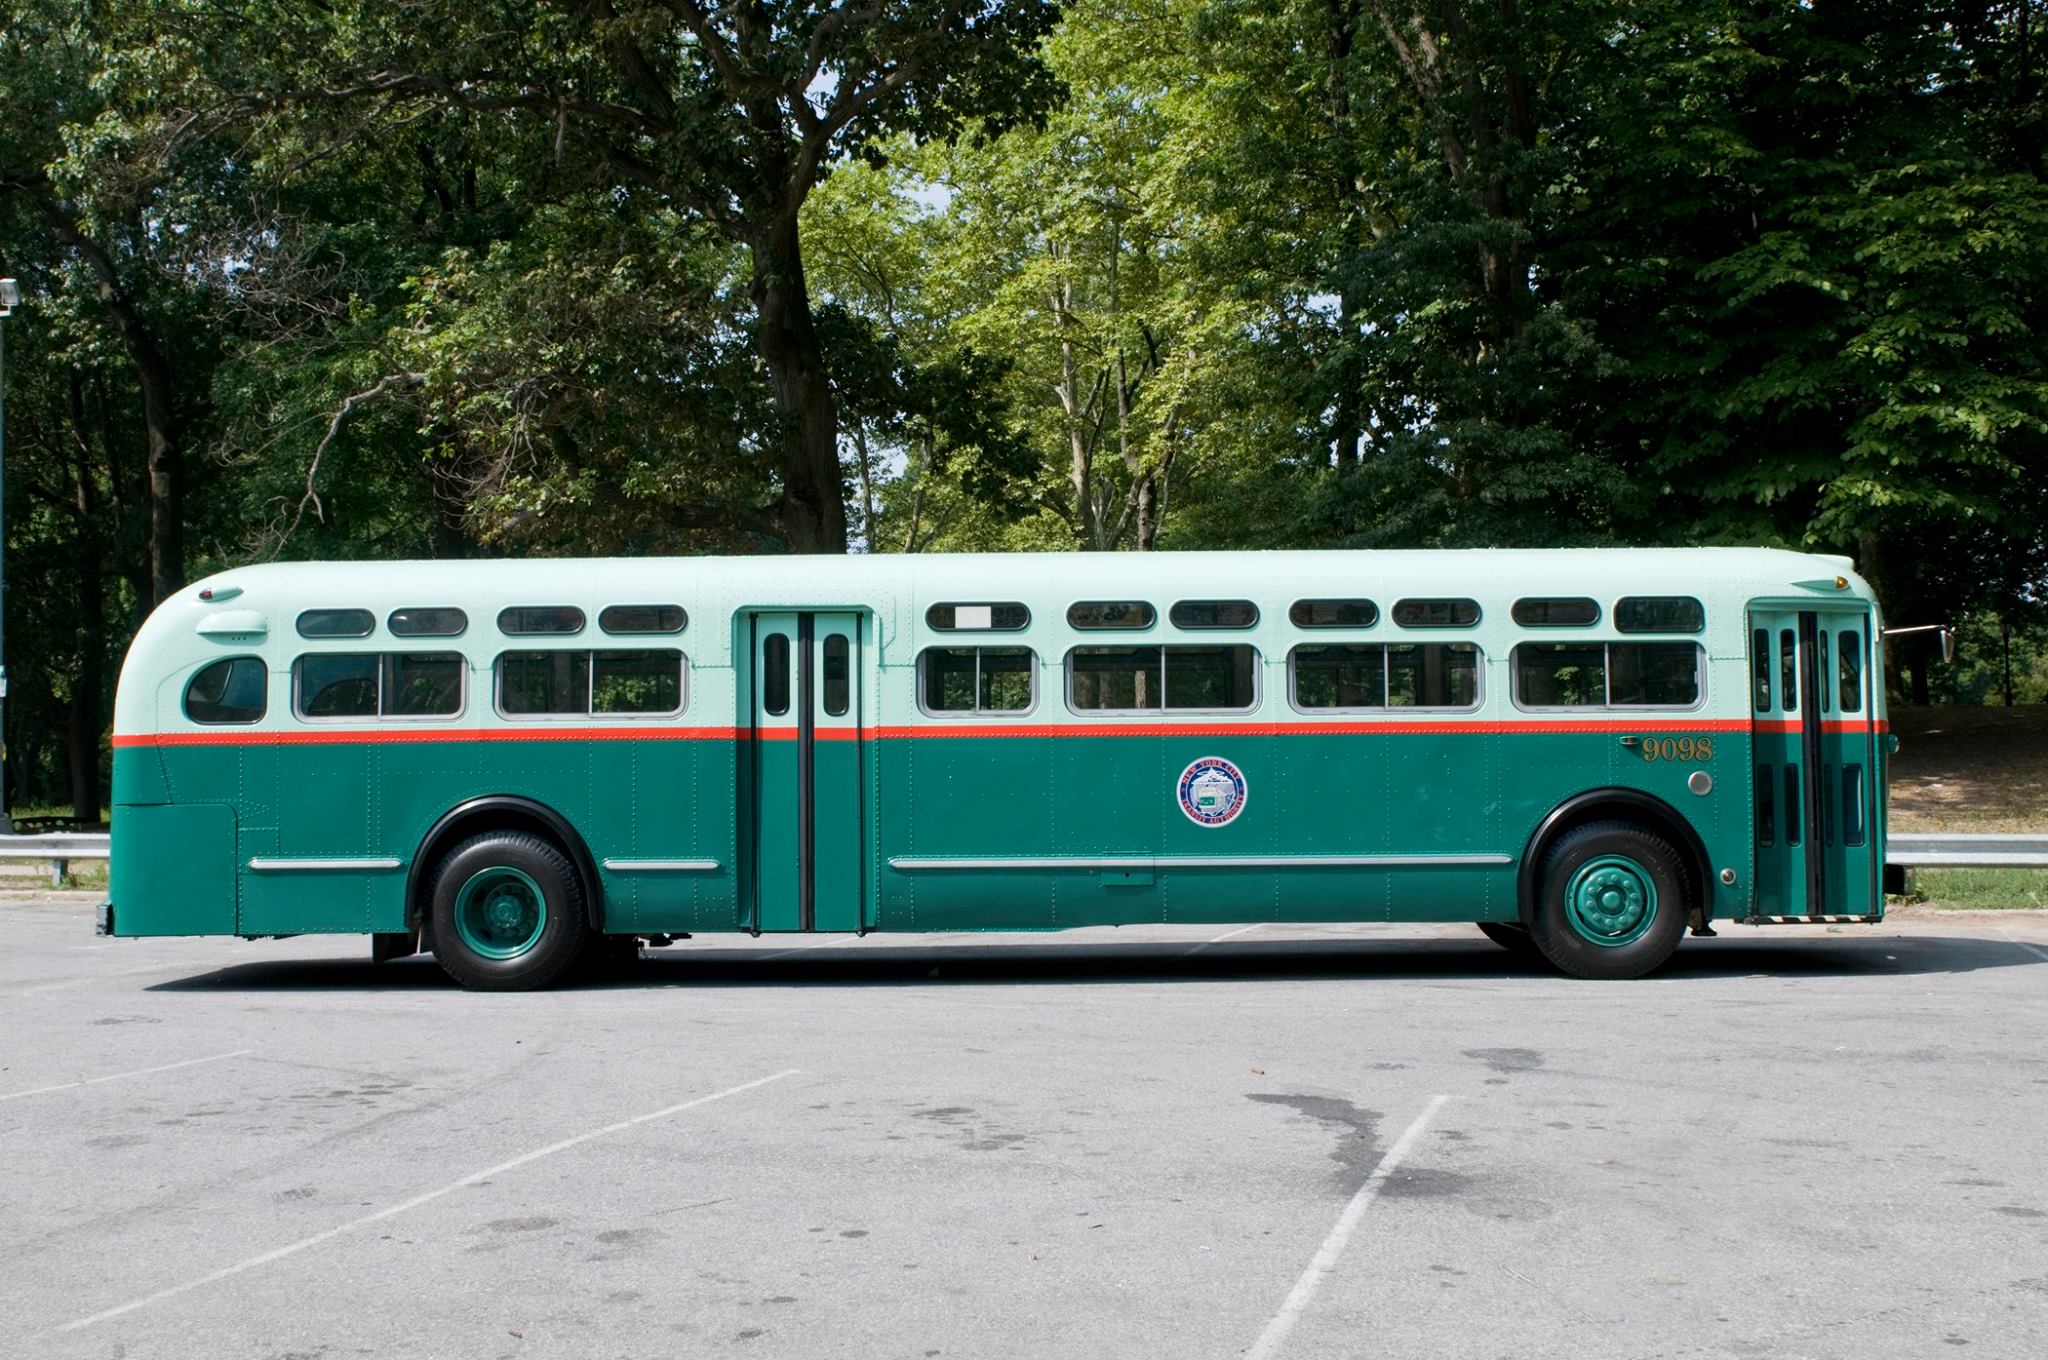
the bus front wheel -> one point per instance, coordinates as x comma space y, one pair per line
1612, 901
507, 913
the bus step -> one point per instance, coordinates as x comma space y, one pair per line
1811, 920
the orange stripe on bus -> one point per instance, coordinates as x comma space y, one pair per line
403, 736
1406, 727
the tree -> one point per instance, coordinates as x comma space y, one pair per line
730, 115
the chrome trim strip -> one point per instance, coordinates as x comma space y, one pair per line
313, 866
1109, 864
662, 866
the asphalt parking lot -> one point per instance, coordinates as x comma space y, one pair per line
1289, 1141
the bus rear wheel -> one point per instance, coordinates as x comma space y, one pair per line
507, 913
1612, 901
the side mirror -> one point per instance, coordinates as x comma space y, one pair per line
1948, 646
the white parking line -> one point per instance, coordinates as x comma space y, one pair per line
415, 1202
1226, 935
1325, 1261
139, 1072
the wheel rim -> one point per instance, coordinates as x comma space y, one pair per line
500, 912
1611, 901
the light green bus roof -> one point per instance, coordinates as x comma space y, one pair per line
188, 629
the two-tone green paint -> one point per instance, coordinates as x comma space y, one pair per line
1062, 819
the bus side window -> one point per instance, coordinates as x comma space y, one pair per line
636, 682
231, 691
975, 679
422, 684
1432, 675
544, 683
337, 685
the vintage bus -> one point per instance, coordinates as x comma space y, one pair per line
516, 764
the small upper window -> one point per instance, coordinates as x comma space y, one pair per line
1193, 614
1568, 613
965, 618
546, 618
427, 622
1111, 614
1333, 614
234, 690
1436, 613
336, 623
1659, 614
642, 618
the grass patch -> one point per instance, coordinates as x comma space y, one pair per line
1980, 889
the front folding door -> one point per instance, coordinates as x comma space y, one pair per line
1816, 785
808, 754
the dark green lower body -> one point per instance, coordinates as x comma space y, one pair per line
1417, 807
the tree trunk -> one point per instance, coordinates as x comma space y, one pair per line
813, 512
88, 690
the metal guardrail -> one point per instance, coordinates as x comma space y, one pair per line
57, 850
1967, 851
1906, 851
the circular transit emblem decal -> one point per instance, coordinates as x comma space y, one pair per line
1212, 791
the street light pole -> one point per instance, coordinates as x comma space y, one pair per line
10, 298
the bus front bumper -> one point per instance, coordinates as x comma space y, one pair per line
103, 918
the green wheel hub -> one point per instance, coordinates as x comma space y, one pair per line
500, 912
1611, 901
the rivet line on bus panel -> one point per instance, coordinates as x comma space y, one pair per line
392, 1211
1325, 1261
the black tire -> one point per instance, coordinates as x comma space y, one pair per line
1513, 938
523, 882
1629, 886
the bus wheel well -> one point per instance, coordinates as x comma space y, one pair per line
500, 812
1622, 805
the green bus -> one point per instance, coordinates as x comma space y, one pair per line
515, 764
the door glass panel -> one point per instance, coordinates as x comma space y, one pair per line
775, 674
1850, 653
1766, 813
1852, 805
1792, 805
838, 682
1822, 671
1760, 663
1788, 671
